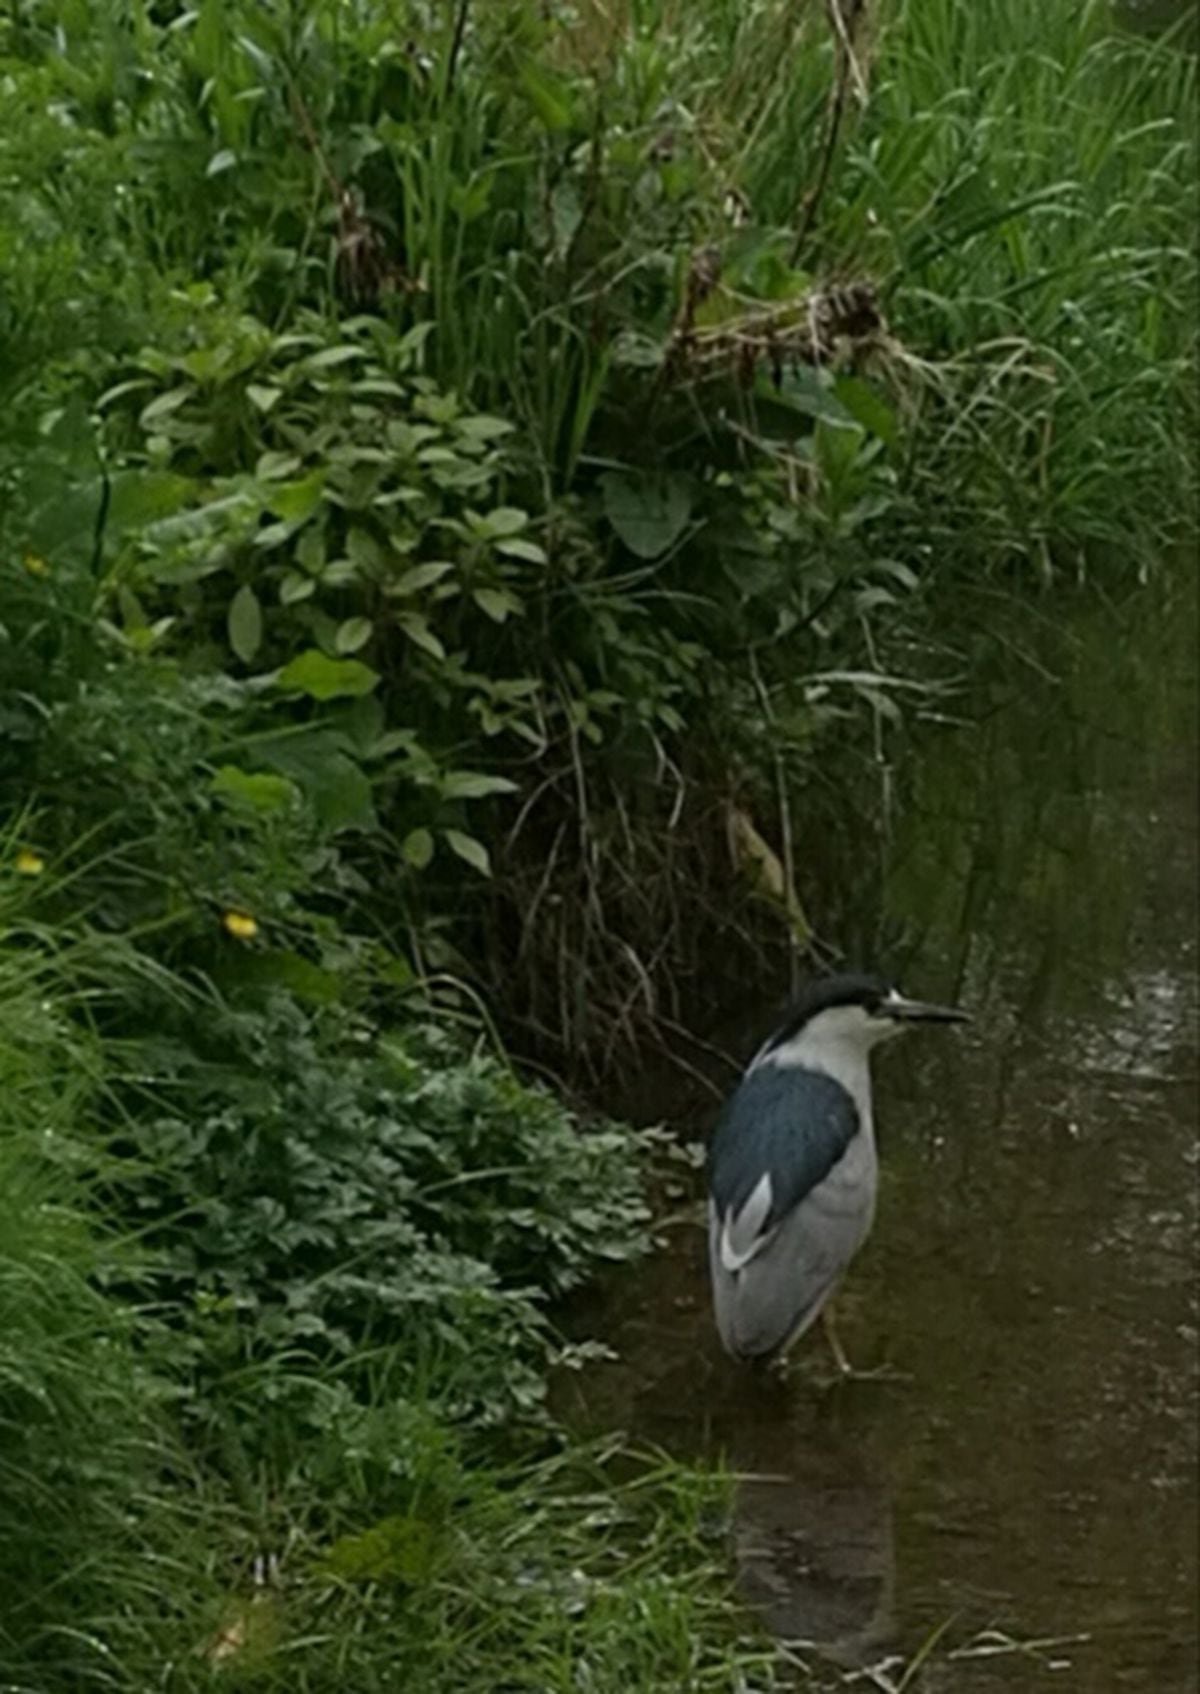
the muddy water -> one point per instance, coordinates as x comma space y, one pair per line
1033, 1267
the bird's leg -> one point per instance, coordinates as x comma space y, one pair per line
845, 1370
829, 1325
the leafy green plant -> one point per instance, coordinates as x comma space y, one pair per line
200, 1480
316, 1200
492, 411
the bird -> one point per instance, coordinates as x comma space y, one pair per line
792, 1170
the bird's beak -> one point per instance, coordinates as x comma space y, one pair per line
921, 1011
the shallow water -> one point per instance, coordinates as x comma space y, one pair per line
1033, 1266
1154, 15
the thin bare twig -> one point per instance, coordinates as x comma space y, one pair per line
847, 71
460, 29
791, 904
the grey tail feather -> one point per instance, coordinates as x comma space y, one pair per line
766, 1356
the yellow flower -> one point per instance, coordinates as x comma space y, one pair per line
240, 925
30, 863
35, 564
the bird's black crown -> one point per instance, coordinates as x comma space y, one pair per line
854, 988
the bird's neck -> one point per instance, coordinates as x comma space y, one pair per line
847, 1062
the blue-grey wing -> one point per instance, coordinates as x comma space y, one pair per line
782, 1132
791, 1197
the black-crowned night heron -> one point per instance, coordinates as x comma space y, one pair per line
793, 1171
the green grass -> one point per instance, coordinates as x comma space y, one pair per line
81, 1414
185, 1514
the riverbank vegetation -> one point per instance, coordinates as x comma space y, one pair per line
463, 466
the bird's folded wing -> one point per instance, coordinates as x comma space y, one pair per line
778, 1138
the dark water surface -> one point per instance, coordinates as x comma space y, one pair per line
1154, 16
1033, 1267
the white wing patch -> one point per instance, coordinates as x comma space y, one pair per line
744, 1233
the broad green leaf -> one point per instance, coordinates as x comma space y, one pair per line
310, 550
837, 447
470, 200
222, 161
481, 427
412, 342
199, 520
146, 497
765, 273
341, 793
245, 623
417, 849
120, 390
64, 522
407, 437
322, 678
420, 576
205, 363
348, 454
648, 512
867, 408
295, 588
316, 760
141, 640
331, 356
379, 386
293, 502
520, 549
352, 634
363, 722
333, 782
396, 970
474, 785
807, 391
566, 213
263, 397
363, 549
497, 603
503, 522
165, 405
271, 465
394, 741
418, 630
438, 408
258, 791
469, 850
273, 535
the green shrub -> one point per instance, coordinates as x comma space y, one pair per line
478, 408
235, 1453
320, 1202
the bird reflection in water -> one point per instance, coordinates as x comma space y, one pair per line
815, 1557
811, 1519
811, 1527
